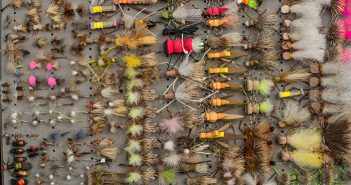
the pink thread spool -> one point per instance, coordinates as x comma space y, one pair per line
32, 81
33, 65
52, 82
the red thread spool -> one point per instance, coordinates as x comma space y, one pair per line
217, 11
176, 46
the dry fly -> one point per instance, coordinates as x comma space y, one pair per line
34, 14
268, 59
71, 10
257, 150
14, 4
293, 114
106, 148
41, 42
293, 76
14, 55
